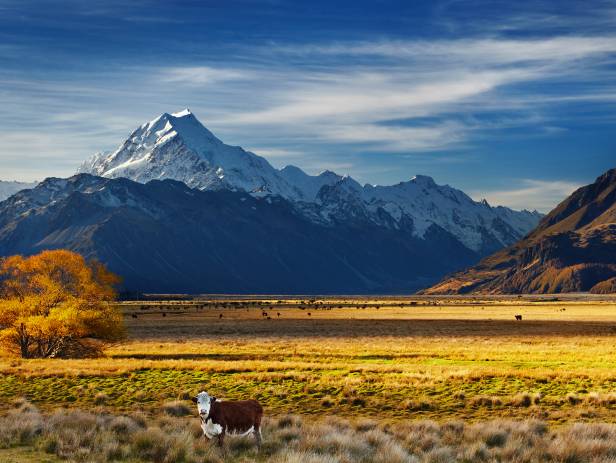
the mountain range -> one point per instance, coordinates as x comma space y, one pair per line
163, 236
174, 209
177, 146
573, 249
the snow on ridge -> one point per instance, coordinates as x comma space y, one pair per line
182, 113
177, 146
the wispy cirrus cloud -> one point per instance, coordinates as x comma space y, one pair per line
383, 81
201, 75
381, 96
469, 83
394, 138
469, 51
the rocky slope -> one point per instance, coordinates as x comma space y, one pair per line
572, 249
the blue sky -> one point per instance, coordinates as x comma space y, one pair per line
512, 101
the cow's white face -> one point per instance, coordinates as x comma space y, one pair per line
204, 402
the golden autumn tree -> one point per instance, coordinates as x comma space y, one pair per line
53, 303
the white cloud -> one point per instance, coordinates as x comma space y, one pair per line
533, 194
397, 138
200, 75
337, 98
405, 80
490, 51
376, 96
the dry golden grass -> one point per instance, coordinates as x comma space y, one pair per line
394, 358
27, 436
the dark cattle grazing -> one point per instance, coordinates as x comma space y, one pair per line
220, 316
309, 314
164, 314
278, 313
134, 315
518, 317
219, 418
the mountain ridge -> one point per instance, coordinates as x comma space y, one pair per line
572, 249
163, 236
177, 146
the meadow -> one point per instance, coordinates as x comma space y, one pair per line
458, 369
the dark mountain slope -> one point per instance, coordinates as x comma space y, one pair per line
165, 237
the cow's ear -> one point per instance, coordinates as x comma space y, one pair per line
213, 399
194, 399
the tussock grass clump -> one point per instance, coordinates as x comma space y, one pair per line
573, 398
21, 425
101, 398
415, 405
597, 398
177, 408
486, 401
525, 399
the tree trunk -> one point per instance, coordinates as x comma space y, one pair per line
24, 341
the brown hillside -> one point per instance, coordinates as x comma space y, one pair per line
572, 249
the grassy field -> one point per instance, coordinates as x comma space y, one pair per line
392, 360
397, 359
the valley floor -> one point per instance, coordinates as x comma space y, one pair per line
391, 361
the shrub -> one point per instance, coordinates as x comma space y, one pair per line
52, 302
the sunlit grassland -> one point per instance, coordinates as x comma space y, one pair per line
407, 359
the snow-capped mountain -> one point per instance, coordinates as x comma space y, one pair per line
177, 146
163, 236
10, 188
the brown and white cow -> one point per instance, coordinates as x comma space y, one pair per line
219, 418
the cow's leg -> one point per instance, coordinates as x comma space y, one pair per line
257, 433
221, 440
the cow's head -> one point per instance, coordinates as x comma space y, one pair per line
204, 402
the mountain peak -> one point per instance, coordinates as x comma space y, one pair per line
183, 113
423, 180
183, 124
170, 116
